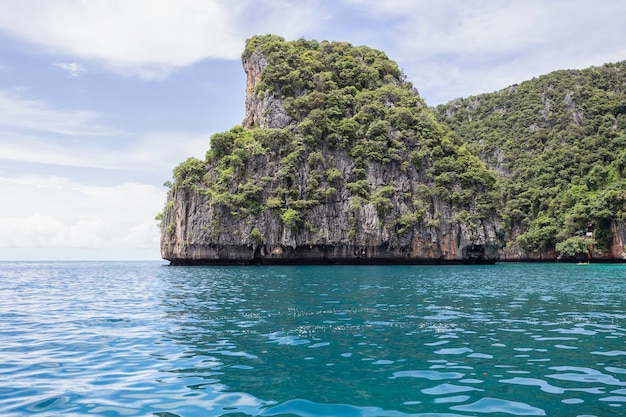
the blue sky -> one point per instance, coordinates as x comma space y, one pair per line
100, 99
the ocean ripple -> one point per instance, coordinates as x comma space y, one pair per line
139, 339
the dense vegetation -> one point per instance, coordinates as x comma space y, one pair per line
560, 142
555, 146
345, 104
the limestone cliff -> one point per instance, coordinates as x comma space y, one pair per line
266, 111
338, 160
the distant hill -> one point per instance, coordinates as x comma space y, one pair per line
559, 144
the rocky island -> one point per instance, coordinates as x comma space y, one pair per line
339, 161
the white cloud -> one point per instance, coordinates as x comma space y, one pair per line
35, 115
150, 38
147, 152
142, 235
167, 149
51, 213
56, 217
32, 131
450, 48
73, 69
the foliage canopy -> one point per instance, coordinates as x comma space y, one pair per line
547, 156
345, 103
559, 142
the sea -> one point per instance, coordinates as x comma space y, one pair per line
149, 339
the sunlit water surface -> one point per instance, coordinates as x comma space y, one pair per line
145, 339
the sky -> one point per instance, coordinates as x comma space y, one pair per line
101, 99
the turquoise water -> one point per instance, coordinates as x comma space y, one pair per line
144, 339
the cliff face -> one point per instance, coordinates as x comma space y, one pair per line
331, 232
265, 109
338, 161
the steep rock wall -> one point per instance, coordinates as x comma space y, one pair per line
196, 231
618, 244
263, 110
196, 241
358, 182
